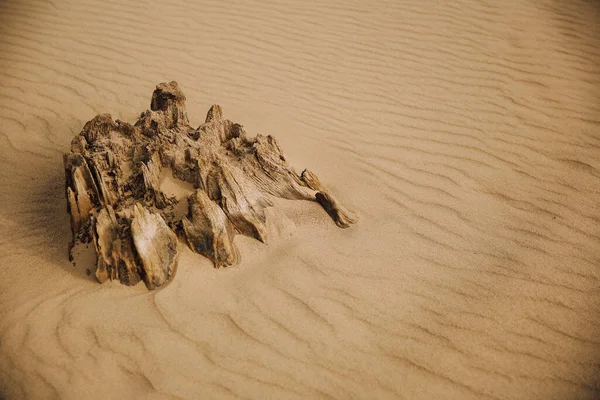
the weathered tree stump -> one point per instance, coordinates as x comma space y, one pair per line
115, 201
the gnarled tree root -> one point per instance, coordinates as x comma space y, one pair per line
115, 200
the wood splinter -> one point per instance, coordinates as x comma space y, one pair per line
115, 200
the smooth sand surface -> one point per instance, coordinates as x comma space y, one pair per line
465, 134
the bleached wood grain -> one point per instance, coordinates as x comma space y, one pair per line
466, 135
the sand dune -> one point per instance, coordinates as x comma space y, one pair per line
465, 135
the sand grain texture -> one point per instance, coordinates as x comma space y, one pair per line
466, 136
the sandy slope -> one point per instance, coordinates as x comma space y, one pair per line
466, 135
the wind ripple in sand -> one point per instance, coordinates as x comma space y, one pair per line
464, 133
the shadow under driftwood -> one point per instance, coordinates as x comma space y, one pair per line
39, 221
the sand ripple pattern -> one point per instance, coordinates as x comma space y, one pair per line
465, 134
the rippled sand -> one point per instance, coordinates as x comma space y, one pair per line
465, 134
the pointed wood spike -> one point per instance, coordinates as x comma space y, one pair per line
215, 113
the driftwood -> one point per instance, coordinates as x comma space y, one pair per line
115, 200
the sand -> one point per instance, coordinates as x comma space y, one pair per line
464, 134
